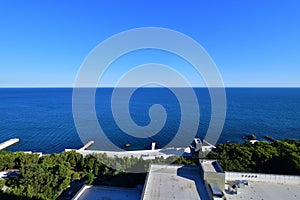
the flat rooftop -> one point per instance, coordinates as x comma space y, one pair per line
104, 193
211, 166
174, 182
265, 191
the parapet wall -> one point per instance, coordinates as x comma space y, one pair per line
273, 178
81, 191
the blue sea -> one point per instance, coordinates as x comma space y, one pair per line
42, 117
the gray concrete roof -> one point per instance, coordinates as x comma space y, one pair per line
174, 182
266, 191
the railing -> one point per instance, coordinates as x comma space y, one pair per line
274, 178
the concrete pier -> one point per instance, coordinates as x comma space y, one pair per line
8, 143
86, 146
144, 154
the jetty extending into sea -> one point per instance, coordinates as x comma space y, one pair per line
86, 146
8, 143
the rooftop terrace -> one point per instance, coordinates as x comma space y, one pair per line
265, 191
174, 182
89, 192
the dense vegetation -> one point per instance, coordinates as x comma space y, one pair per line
280, 157
48, 176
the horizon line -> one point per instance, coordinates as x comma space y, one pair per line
70, 87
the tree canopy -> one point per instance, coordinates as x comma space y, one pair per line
279, 157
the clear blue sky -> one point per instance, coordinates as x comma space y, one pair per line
253, 42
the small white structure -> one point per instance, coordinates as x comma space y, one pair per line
199, 146
207, 147
153, 145
253, 141
3, 175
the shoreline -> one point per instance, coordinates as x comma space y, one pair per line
84, 149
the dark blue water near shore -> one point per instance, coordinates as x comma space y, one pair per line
42, 118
